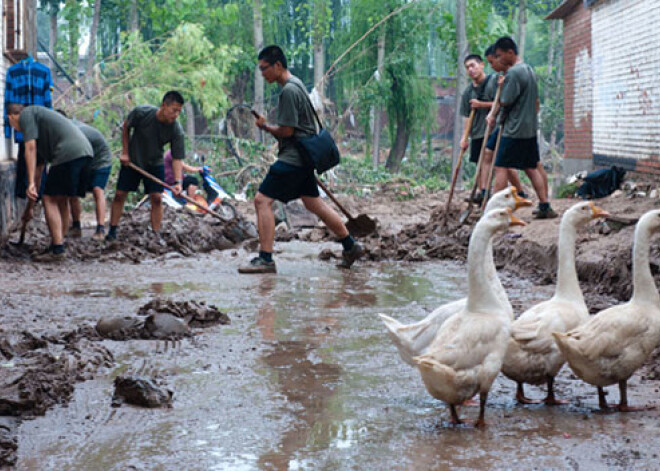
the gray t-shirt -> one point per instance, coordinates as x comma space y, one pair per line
150, 136
294, 109
58, 140
485, 91
519, 95
102, 156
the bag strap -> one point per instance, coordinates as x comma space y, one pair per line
309, 100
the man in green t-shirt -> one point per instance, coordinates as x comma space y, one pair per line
152, 128
518, 146
477, 96
97, 177
291, 177
52, 139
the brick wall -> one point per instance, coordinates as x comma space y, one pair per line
578, 84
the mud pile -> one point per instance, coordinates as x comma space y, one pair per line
36, 375
196, 314
182, 232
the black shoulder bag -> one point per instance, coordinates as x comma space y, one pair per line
319, 149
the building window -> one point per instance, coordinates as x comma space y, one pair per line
13, 37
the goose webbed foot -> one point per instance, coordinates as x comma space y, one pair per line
520, 396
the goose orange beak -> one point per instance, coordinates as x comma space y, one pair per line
520, 202
597, 212
514, 221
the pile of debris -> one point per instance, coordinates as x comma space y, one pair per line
36, 374
182, 232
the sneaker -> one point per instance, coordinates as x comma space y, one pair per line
547, 214
99, 236
49, 257
111, 237
75, 232
258, 265
522, 194
348, 257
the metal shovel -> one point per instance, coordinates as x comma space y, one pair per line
361, 226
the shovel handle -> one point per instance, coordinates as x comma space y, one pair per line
332, 197
146, 174
454, 177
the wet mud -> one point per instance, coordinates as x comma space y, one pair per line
182, 232
304, 377
603, 254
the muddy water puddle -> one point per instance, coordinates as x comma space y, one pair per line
305, 377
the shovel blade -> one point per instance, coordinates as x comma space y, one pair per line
361, 226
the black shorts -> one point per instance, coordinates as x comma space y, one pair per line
475, 149
285, 182
492, 139
21, 183
189, 180
94, 178
518, 153
129, 179
66, 179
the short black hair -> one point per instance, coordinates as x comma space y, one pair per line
475, 57
173, 97
14, 108
505, 43
273, 54
490, 51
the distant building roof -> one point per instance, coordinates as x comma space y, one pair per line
563, 10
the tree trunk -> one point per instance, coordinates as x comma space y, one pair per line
378, 110
133, 22
52, 35
398, 150
30, 24
91, 51
522, 27
319, 66
258, 35
190, 123
461, 82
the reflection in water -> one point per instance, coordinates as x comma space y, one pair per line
302, 377
309, 384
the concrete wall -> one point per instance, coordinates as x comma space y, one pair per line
626, 92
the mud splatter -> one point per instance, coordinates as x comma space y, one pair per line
144, 392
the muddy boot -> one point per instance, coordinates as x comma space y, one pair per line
75, 232
348, 257
99, 235
258, 265
545, 212
50, 257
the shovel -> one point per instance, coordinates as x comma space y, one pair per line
131, 165
466, 214
454, 177
21, 238
361, 226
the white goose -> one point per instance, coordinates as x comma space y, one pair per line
532, 356
613, 344
467, 352
413, 339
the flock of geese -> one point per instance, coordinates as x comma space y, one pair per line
462, 346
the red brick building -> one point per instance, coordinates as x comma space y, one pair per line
611, 84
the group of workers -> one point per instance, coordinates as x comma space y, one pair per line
515, 112
79, 159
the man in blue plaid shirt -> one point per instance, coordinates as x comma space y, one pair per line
30, 83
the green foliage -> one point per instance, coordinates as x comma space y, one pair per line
185, 61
